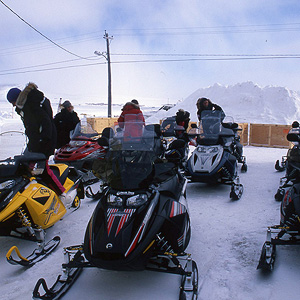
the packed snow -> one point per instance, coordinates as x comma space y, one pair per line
227, 236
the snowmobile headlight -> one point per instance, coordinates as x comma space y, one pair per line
207, 149
7, 184
114, 200
212, 149
201, 149
137, 200
77, 143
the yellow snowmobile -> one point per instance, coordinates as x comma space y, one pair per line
28, 206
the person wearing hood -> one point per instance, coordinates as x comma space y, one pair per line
37, 116
206, 104
36, 113
133, 118
65, 121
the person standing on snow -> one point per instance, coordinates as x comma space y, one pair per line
36, 113
206, 104
132, 119
65, 121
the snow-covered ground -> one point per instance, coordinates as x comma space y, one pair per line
227, 237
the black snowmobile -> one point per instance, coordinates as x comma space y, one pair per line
217, 153
291, 164
281, 165
288, 232
175, 141
141, 222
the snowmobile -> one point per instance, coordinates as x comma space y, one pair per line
215, 158
81, 152
288, 232
140, 223
175, 141
292, 162
28, 206
281, 165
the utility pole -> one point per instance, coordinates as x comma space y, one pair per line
107, 57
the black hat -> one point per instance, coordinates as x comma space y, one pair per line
135, 101
67, 104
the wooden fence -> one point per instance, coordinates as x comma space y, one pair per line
260, 135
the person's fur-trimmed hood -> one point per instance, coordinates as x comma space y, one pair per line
200, 101
130, 105
21, 100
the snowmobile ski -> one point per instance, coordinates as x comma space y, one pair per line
280, 167
268, 252
59, 288
37, 255
189, 283
71, 270
236, 191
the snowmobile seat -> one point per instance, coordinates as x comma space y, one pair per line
7, 169
62, 178
30, 157
103, 142
107, 132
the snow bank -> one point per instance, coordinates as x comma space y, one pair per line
245, 102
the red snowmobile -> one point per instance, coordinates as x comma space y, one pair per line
82, 150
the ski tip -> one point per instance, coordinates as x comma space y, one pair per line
23, 260
57, 238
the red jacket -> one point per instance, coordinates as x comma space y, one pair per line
132, 120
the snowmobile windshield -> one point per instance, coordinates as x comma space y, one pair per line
168, 126
132, 153
83, 129
210, 127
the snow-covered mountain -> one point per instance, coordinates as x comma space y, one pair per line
246, 102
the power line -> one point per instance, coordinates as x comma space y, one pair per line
64, 49
48, 64
160, 61
197, 54
259, 56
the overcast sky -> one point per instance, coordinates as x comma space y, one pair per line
160, 51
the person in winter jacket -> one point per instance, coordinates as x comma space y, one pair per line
132, 119
65, 121
36, 113
206, 104
37, 116
182, 118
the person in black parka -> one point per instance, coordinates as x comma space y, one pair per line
37, 116
65, 121
36, 113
